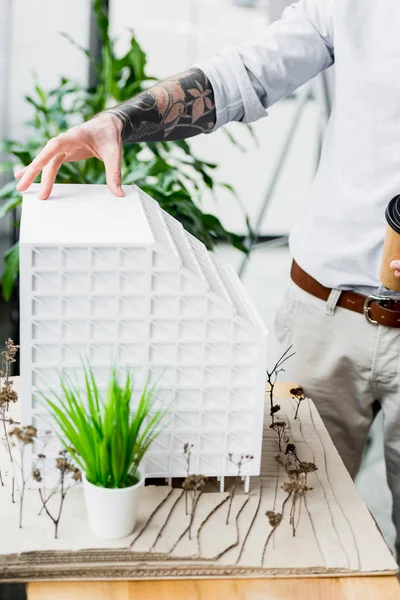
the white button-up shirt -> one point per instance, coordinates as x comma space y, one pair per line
339, 238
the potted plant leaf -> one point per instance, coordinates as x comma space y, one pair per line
108, 438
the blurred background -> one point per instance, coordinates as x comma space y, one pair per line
40, 46
64, 61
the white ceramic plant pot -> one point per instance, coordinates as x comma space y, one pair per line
112, 512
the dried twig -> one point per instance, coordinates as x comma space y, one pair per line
166, 521
150, 517
272, 377
243, 545
185, 531
206, 519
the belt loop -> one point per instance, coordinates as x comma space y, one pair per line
332, 301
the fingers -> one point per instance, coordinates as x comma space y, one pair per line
80, 142
111, 156
51, 149
395, 265
49, 175
81, 154
19, 172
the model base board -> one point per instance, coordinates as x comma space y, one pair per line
335, 533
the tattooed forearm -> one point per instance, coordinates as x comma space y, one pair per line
174, 109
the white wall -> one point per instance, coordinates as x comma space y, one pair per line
5, 42
36, 47
176, 34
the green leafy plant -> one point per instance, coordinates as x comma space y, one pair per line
168, 171
107, 438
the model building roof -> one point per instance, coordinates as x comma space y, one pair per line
78, 215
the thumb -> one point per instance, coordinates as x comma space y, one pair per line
111, 156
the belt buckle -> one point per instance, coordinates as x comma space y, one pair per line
367, 306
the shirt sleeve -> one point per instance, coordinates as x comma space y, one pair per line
248, 79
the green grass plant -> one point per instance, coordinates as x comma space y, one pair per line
108, 437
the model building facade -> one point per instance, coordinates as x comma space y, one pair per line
118, 281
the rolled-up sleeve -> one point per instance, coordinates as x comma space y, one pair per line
248, 79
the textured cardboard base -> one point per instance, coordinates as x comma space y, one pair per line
336, 534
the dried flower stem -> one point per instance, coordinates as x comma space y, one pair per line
243, 460
53, 492
7, 396
280, 429
275, 519
195, 484
298, 394
296, 487
23, 486
69, 475
276, 484
187, 451
299, 515
296, 500
194, 502
56, 520
23, 436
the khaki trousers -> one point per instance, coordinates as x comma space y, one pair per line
347, 366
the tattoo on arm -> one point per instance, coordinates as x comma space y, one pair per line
174, 109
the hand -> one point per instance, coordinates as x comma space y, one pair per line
395, 265
100, 137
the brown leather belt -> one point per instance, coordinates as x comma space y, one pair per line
379, 310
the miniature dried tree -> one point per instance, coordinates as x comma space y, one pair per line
296, 469
274, 519
239, 463
280, 428
45, 438
68, 474
272, 377
296, 488
291, 451
194, 484
299, 396
7, 396
293, 465
21, 438
187, 452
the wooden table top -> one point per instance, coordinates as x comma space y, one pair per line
384, 587
331, 588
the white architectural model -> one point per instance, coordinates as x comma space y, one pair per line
119, 281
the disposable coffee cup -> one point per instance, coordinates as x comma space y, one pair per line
391, 248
